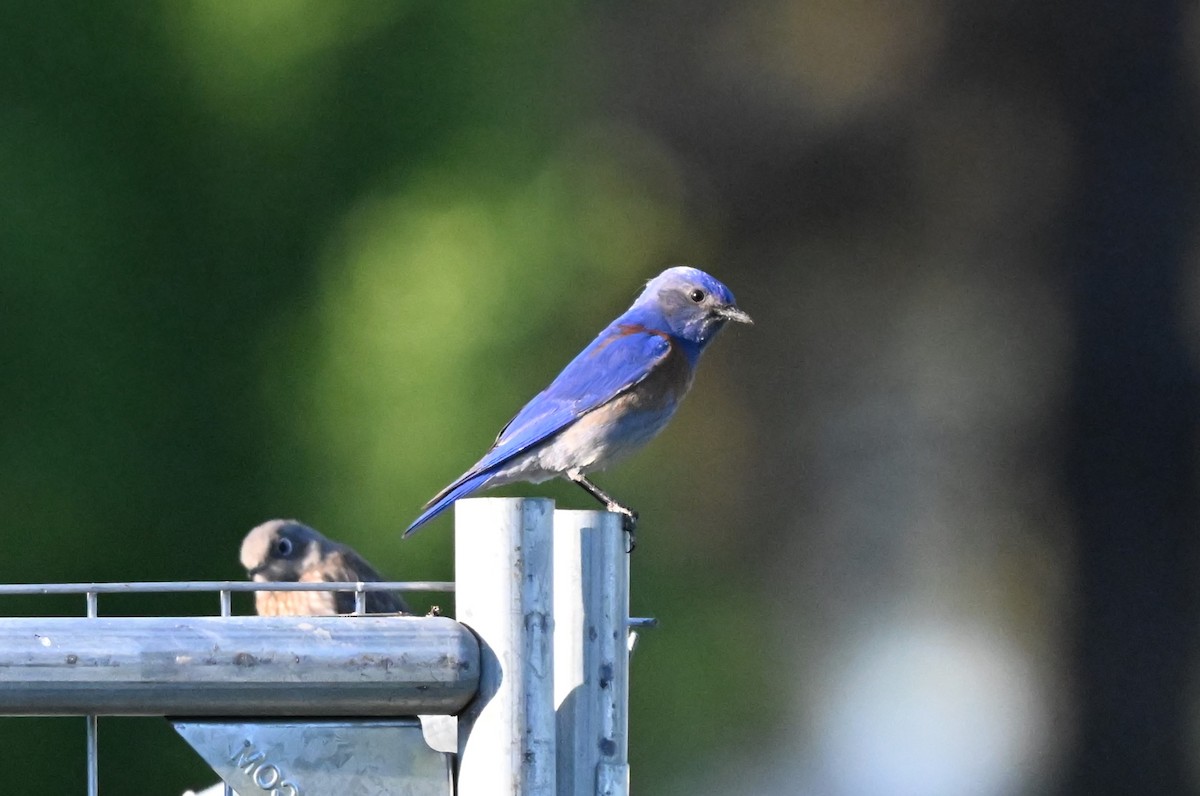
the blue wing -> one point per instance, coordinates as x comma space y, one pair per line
619, 358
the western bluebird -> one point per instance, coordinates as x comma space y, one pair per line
290, 551
612, 398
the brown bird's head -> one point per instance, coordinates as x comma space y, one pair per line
287, 551
282, 550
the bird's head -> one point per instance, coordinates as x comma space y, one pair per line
280, 550
693, 305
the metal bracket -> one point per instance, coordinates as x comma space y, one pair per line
346, 757
646, 622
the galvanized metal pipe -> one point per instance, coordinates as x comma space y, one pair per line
591, 653
92, 611
181, 586
236, 666
503, 552
93, 755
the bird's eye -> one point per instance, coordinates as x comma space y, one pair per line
696, 295
283, 547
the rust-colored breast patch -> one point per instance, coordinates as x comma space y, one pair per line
628, 330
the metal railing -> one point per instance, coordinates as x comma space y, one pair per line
66, 666
535, 669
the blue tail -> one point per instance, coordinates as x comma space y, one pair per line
459, 489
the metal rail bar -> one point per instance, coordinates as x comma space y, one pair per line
236, 666
181, 586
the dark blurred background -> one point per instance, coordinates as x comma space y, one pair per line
929, 527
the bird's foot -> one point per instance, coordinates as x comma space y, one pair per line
629, 520
628, 516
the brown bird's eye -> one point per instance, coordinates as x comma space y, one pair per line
283, 547
696, 295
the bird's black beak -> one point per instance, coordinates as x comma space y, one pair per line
250, 573
732, 313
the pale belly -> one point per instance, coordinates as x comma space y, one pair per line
608, 433
597, 440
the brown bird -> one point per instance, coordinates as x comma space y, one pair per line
290, 551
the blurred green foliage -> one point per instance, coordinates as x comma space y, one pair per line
303, 258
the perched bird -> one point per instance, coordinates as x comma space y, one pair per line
290, 551
612, 398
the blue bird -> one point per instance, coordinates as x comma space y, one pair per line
612, 398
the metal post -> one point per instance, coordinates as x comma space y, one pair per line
92, 738
503, 557
591, 653
226, 610
93, 756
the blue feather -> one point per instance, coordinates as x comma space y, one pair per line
615, 361
621, 357
460, 488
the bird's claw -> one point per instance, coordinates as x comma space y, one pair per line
629, 520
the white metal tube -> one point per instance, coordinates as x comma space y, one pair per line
591, 657
503, 570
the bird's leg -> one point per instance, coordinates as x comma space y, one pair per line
608, 500
629, 517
